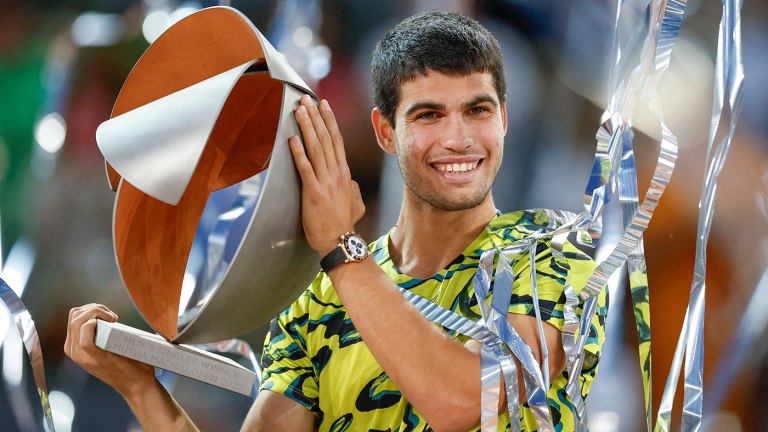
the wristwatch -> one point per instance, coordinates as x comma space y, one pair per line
351, 248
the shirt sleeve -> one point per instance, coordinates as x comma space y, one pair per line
286, 365
552, 273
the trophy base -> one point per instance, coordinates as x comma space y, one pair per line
181, 359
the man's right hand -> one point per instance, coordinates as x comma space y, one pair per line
127, 376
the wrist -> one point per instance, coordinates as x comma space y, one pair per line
351, 248
325, 246
140, 390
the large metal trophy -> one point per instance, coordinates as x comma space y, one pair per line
207, 227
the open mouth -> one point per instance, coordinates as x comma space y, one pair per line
461, 167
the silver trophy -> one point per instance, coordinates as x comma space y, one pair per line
207, 223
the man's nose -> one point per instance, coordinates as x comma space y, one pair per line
457, 135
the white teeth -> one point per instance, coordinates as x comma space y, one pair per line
457, 167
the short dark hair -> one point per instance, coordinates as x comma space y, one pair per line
442, 41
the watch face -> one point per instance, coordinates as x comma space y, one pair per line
356, 247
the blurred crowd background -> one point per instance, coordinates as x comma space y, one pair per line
62, 64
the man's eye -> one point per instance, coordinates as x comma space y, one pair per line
478, 110
429, 115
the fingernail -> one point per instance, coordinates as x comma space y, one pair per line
325, 104
301, 110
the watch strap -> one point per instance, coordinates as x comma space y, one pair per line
334, 258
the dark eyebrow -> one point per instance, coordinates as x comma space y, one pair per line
439, 107
423, 105
481, 99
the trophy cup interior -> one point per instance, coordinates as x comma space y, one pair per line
153, 239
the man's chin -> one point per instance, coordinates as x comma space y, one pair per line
456, 205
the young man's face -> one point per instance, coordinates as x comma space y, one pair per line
449, 138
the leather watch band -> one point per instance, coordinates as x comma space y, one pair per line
334, 258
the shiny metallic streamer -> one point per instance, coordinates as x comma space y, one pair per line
613, 146
536, 379
664, 25
729, 74
500, 340
637, 271
489, 396
26, 327
537, 312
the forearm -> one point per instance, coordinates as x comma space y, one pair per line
440, 377
156, 410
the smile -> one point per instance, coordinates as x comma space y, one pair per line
456, 167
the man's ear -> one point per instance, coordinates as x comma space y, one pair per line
504, 116
385, 133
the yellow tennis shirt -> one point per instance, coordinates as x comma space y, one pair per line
314, 355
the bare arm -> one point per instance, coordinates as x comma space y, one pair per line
440, 377
437, 375
273, 412
153, 406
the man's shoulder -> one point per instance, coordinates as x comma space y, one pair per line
513, 227
516, 225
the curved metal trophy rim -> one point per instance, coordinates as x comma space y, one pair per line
190, 333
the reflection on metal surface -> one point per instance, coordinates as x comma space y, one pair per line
206, 187
28, 333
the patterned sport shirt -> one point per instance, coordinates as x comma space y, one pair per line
314, 355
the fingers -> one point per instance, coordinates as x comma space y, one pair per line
81, 327
88, 333
337, 141
322, 139
313, 144
323, 135
301, 161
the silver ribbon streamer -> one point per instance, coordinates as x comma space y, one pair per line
26, 327
613, 145
729, 74
500, 340
613, 136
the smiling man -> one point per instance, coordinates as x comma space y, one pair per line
351, 353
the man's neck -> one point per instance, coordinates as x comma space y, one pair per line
426, 239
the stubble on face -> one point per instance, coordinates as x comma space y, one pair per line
436, 129
428, 195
